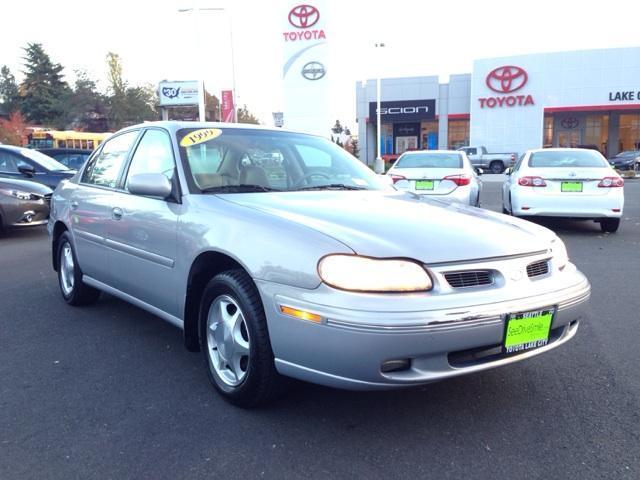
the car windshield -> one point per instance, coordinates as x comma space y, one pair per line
246, 160
567, 158
629, 153
43, 160
430, 160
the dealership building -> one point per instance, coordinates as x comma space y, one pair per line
510, 104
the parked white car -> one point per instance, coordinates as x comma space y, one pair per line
565, 182
443, 174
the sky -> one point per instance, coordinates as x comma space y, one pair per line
156, 41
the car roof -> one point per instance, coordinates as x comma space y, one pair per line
64, 150
437, 152
13, 148
174, 125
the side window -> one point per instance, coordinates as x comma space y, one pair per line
472, 151
8, 163
105, 167
153, 155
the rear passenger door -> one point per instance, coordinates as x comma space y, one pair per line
142, 235
91, 204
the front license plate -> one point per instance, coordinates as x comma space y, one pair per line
424, 184
571, 186
527, 330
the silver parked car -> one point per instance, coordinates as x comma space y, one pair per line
23, 203
444, 174
279, 254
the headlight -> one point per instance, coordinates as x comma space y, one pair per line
363, 274
559, 252
17, 194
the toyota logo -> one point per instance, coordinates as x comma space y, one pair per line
304, 16
569, 122
313, 71
506, 79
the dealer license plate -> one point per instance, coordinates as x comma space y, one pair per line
527, 330
571, 186
424, 184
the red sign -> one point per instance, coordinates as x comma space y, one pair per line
506, 79
304, 16
228, 108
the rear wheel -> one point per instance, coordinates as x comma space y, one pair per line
496, 167
609, 225
235, 341
74, 291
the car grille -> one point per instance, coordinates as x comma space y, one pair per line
536, 269
469, 278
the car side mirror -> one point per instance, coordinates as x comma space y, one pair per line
402, 185
508, 171
479, 171
27, 170
150, 185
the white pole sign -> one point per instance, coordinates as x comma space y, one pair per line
305, 71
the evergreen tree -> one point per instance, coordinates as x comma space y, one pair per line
9, 96
87, 109
44, 91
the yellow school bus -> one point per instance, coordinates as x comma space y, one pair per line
65, 139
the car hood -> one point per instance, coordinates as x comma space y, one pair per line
25, 186
397, 224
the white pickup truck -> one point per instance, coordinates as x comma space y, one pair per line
496, 162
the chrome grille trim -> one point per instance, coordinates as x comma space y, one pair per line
469, 278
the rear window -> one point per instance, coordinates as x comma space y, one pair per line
567, 158
430, 160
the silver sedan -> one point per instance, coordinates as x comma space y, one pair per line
278, 254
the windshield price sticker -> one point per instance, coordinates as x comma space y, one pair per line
200, 136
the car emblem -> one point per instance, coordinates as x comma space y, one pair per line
569, 122
572, 174
313, 71
304, 16
506, 79
516, 275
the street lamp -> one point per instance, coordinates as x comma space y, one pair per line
378, 166
201, 99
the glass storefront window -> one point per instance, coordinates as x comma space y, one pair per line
458, 133
629, 132
429, 135
548, 132
596, 132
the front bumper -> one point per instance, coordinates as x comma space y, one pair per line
24, 213
348, 348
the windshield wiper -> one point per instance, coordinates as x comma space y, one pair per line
242, 188
333, 186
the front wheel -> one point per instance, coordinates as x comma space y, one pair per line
610, 225
235, 341
74, 291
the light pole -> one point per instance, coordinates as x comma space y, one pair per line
202, 94
378, 166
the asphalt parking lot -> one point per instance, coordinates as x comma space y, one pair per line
108, 391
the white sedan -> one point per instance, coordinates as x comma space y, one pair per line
565, 182
443, 174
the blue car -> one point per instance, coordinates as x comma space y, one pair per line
27, 164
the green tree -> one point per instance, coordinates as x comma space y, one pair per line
44, 90
9, 95
245, 116
127, 105
87, 109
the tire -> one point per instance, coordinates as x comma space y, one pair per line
496, 167
235, 341
74, 291
609, 225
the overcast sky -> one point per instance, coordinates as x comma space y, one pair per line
442, 37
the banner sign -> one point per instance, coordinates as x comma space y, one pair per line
305, 72
403, 111
173, 94
228, 107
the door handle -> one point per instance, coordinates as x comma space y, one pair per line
74, 205
116, 213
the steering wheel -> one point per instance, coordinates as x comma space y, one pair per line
308, 176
